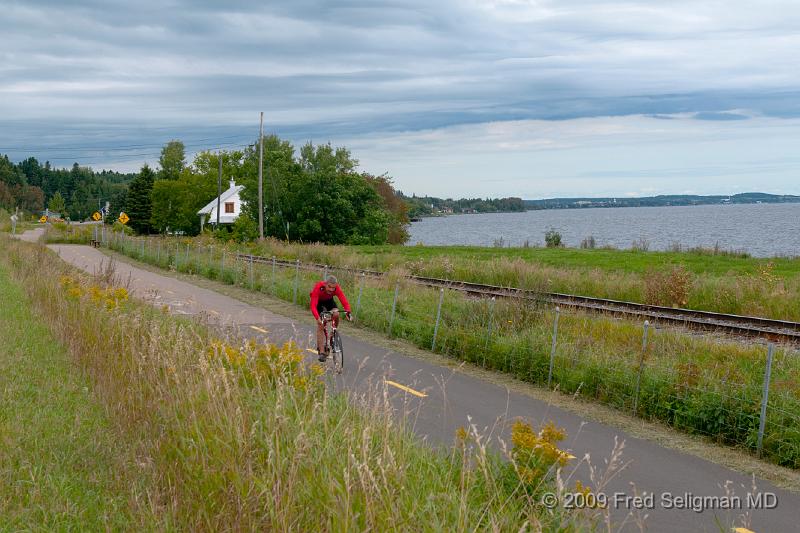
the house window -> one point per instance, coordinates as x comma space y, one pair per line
229, 207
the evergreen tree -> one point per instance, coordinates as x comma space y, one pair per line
138, 204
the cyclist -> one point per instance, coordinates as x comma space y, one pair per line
322, 300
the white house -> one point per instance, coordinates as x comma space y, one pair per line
230, 207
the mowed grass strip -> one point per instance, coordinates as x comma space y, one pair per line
58, 452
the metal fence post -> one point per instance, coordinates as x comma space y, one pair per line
158, 252
553, 347
177, 254
296, 278
222, 265
394, 307
765, 398
273, 275
488, 330
252, 283
325, 273
641, 367
438, 316
142, 254
489, 325
360, 292
187, 252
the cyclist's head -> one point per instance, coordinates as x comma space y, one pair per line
330, 284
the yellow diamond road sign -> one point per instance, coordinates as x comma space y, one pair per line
43, 219
123, 218
96, 216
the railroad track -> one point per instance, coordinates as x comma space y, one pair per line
765, 328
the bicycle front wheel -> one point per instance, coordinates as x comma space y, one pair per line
338, 352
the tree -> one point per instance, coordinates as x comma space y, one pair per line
169, 211
57, 204
333, 204
176, 202
316, 197
393, 201
139, 202
9, 174
172, 160
281, 178
29, 198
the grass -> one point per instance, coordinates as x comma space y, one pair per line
715, 280
62, 466
229, 435
22, 225
686, 381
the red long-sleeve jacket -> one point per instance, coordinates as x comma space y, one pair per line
318, 293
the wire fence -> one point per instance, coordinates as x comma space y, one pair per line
745, 395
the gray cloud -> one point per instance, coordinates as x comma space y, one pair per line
120, 72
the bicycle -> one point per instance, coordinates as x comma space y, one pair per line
333, 341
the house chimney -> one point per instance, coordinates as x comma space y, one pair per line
233, 183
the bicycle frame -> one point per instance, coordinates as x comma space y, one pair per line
328, 327
333, 341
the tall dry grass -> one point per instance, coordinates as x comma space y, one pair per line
230, 435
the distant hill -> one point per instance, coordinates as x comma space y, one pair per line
661, 200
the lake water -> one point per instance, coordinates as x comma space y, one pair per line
763, 230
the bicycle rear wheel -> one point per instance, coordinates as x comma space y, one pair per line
338, 352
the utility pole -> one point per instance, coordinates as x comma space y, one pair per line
219, 188
261, 178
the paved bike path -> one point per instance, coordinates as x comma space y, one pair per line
453, 399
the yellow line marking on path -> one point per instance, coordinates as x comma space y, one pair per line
262, 330
407, 389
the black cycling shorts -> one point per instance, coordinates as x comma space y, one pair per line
326, 305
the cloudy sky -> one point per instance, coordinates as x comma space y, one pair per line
452, 98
